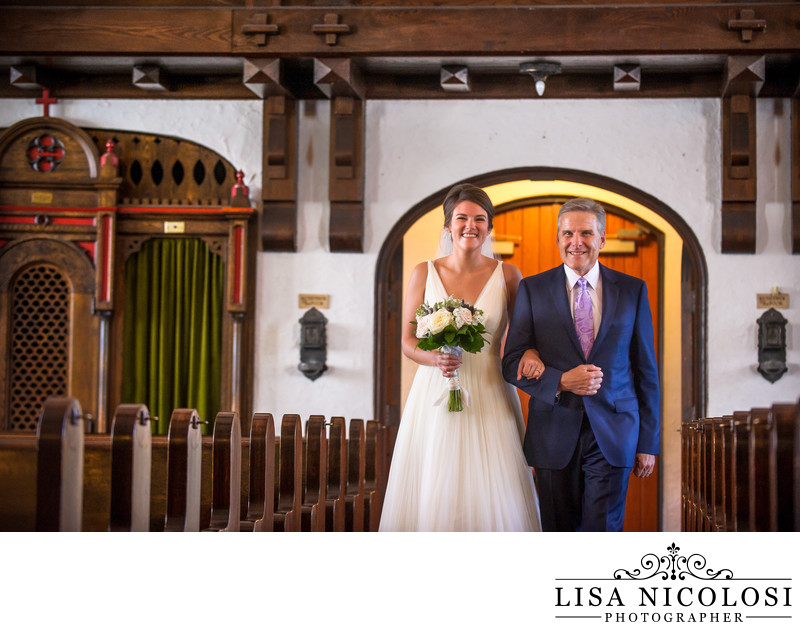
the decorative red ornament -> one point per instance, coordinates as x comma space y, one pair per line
45, 153
109, 155
239, 188
46, 101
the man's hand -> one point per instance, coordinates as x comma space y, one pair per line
584, 380
644, 465
530, 365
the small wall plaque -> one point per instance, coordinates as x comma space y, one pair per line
309, 300
41, 197
174, 227
773, 300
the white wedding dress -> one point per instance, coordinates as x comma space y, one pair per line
463, 471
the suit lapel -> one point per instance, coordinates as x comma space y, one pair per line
610, 304
558, 289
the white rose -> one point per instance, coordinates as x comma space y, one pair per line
423, 326
440, 320
463, 317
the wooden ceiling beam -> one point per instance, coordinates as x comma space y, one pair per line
489, 31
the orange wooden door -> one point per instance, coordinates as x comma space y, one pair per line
533, 230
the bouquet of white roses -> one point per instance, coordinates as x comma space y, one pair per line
452, 326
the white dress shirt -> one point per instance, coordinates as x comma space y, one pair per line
595, 286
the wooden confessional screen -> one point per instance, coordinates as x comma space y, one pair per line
74, 205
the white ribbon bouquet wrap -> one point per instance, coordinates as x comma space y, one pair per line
453, 327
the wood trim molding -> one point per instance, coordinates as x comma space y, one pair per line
795, 144
399, 30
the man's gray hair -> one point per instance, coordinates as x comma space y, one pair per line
584, 204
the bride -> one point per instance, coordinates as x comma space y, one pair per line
462, 471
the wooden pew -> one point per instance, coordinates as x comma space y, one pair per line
59, 466
337, 476
261, 498
286, 517
762, 467
686, 497
356, 465
131, 455
191, 482
184, 459
786, 427
17, 482
226, 473
729, 487
373, 474
315, 478
739, 472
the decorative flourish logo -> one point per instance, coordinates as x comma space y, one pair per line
673, 567
682, 588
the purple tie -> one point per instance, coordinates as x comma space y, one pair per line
584, 322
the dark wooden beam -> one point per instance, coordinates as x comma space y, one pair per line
402, 30
743, 81
796, 172
279, 214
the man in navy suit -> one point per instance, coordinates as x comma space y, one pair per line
594, 410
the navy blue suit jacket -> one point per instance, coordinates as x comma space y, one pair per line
624, 413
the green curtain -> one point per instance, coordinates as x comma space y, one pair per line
173, 329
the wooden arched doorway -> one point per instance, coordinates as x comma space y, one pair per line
687, 308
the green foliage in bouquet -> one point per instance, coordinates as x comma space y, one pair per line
452, 322
467, 337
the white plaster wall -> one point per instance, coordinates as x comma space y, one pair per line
417, 147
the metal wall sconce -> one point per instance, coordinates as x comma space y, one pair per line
772, 345
313, 344
540, 70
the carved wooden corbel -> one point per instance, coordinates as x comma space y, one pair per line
279, 215
341, 81
346, 187
744, 77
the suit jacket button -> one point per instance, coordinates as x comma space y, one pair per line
580, 407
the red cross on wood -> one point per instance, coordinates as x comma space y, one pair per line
46, 101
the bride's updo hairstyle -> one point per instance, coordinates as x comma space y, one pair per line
467, 192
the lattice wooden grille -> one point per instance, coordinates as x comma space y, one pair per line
39, 353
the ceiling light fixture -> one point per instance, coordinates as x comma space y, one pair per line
540, 70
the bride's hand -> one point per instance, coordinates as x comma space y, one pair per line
447, 363
530, 365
